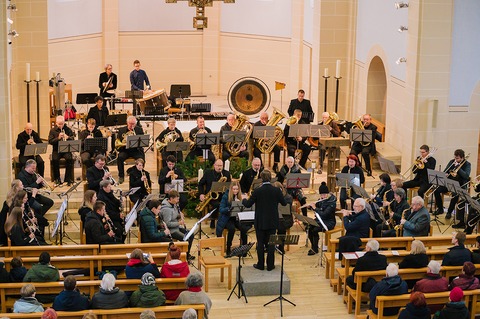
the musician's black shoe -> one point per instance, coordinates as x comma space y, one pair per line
121, 180
369, 173
448, 216
459, 225
312, 252
190, 257
57, 182
275, 168
438, 212
270, 269
256, 266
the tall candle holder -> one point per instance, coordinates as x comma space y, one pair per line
325, 97
28, 99
37, 81
336, 93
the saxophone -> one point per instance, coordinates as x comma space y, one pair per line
251, 186
400, 227
267, 145
169, 137
210, 196
241, 124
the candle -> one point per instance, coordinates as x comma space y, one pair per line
325, 73
27, 75
227, 165
314, 165
200, 174
337, 71
37, 76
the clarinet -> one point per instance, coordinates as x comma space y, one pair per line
31, 228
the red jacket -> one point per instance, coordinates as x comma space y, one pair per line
174, 269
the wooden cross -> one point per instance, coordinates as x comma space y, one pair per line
200, 21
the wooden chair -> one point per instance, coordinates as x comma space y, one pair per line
216, 261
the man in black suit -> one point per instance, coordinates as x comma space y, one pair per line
97, 173
99, 112
28, 137
171, 172
197, 150
250, 174
123, 152
366, 150
61, 132
302, 104
266, 199
297, 142
107, 81
421, 178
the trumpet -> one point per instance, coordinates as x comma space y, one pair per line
64, 137
110, 178
173, 176
30, 140
44, 182
146, 184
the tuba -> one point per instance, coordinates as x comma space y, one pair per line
358, 124
332, 117
123, 142
169, 137
241, 124
266, 145
209, 197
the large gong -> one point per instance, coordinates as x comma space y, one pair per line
249, 96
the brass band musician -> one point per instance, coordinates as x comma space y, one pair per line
27, 137
107, 81
123, 153
197, 150
276, 149
294, 143
424, 162
334, 131
296, 193
250, 175
170, 134
139, 177
366, 149
459, 170
300, 103
90, 131
352, 167
61, 132
99, 112
97, 173
231, 118
114, 208
394, 209
169, 173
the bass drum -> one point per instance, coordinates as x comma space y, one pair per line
249, 96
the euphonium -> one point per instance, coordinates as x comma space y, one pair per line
359, 125
267, 145
169, 137
123, 142
241, 124
209, 197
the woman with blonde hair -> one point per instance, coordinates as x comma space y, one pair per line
15, 186
27, 303
418, 257
89, 198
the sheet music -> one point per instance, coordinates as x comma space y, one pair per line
131, 217
60, 213
246, 216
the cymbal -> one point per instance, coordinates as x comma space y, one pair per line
111, 91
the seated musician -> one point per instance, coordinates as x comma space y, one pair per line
61, 132
170, 134
123, 152
416, 222
325, 208
394, 209
357, 222
300, 103
458, 169
334, 131
276, 149
422, 163
198, 150
97, 229
294, 143
205, 184
384, 193
296, 193
89, 199
15, 186
352, 167
226, 220
114, 208
29, 137
169, 173
97, 173
18, 233
138, 177
107, 81
246, 181
90, 132
226, 153
149, 228
99, 112
173, 217
40, 203
366, 149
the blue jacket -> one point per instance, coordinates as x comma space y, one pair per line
224, 213
457, 256
357, 225
70, 300
388, 286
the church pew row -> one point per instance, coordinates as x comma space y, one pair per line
122, 313
469, 296
9, 292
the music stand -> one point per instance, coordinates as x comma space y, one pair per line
362, 136
298, 130
96, 145
219, 187
180, 91
119, 119
130, 218
282, 240
264, 132
198, 225
58, 222
176, 184
69, 146
360, 191
437, 178
207, 139
35, 149
178, 147
137, 141
387, 166
67, 194
134, 95
308, 116
456, 189
85, 98
234, 136
298, 180
240, 252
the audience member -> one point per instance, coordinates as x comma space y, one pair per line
109, 296
43, 271
174, 268
4, 276
417, 258
190, 313
456, 308
194, 294
148, 295
17, 270
139, 264
416, 308
458, 254
392, 284
49, 313
27, 303
466, 280
148, 314
476, 252
70, 299
433, 282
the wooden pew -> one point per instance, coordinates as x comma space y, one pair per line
145, 247
124, 313
86, 286
53, 250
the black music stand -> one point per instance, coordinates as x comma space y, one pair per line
119, 119
298, 180
361, 136
437, 178
234, 136
134, 95
35, 149
180, 91
282, 240
178, 147
207, 139
67, 194
176, 184
298, 130
136, 141
387, 166
240, 252
86, 98
456, 189
69, 146
96, 145
264, 132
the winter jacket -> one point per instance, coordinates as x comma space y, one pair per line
71, 300
388, 286
42, 273
147, 297
17, 274
4, 276
170, 216
465, 282
27, 305
113, 299
95, 231
453, 310
414, 261
357, 225
413, 312
135, 269
457, 256
326, 210
195, 296
174, 269
149, 227
432, 283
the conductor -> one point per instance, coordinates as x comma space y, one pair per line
266, 199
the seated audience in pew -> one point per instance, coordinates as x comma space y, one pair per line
458, 254
89, 199
174, 268
372, 260
109, 296
49, 313
190, 313
466, 280
27, 303
98, 229
148, 295
149, 228
70, 299
433, 282
194, 294
416, 308
43, 272
148, 314
476, 251
456, 308
139, 264
17, 270
417, 258
392, 284
4, 276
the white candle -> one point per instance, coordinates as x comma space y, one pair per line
27, 73
200, 174
314, 165
227, 165
337, 71
37, 76
325, 72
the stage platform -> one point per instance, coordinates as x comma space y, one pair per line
263, 283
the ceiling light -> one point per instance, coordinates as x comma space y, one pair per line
401, 5
13, 33
402, 28
401, 60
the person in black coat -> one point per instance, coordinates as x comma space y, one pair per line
113, 206
170, 134
352, 167
391, 285
138, 177
99, 112
416, 308
394, 209
97, 173
297, 193
97, 230
61, 132
250, 175
266, 199
357, 222
198, 150
297, 142
372, 260
417, 258
458, 254
90, 132
421, 175
123, 152
107, 81
28, 137
302, 104
325, 208
362, 148
172, 172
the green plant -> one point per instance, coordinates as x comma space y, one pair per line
238, 165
